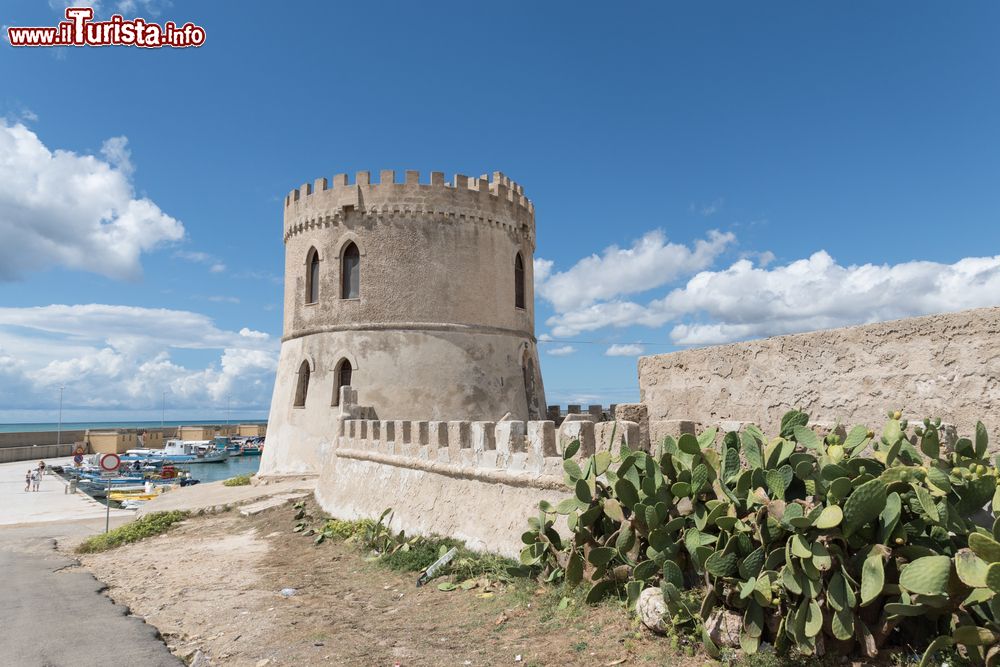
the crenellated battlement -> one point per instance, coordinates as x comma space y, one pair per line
494, 199
514, 452
498, 185
454, 477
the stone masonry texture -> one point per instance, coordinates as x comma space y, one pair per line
945, 366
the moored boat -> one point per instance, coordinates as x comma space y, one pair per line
182, 451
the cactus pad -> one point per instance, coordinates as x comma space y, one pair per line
927, 575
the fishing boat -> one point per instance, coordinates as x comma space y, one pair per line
141, 493
253, 446
182, 451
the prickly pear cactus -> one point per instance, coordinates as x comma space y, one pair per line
846, 538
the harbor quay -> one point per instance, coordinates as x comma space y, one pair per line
51, 503
31, 445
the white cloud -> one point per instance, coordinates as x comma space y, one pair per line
561, 351
709, 209
120, 357
76, 211
817, 293
215, 265
747, 301
624, 350
115, 151
650, 262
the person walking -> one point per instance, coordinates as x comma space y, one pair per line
34, 480
27, 480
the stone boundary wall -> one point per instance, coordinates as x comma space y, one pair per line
474, 481
35, 452
945, 366
29, 438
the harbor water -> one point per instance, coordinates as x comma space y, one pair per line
231, 467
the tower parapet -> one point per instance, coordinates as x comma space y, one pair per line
488, 199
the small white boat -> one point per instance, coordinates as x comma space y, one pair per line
184, 451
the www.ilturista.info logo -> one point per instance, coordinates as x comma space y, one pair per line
80, 30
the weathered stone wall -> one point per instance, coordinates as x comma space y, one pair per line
945, 366
474, 481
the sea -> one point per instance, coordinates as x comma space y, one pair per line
78, 426
231, 467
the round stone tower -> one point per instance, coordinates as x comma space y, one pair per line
417, 296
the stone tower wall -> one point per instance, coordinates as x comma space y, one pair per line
435, 333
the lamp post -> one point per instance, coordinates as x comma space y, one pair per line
59, 430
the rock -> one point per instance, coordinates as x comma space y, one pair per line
288, 592
650, 607
262, 663
200, 660
723, 627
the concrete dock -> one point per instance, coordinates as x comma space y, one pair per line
51, 503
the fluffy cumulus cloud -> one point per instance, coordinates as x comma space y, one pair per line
748, 300
78, 211
561, 351
650, 262
624, 350
121, 357
745, 301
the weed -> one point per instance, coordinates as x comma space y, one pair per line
147, 526
239, 480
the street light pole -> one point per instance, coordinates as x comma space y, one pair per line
59, 431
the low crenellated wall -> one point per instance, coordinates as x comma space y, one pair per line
474, 481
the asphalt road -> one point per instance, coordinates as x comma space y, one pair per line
53, 614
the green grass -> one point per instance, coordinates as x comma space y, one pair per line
147, 526
415, 554
239, 480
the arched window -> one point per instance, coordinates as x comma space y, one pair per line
350, 272
341, 378
312, 276
302, 385
518, 281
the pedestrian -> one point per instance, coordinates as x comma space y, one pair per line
35, 480
27, 480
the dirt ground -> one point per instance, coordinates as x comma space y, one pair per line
214, 583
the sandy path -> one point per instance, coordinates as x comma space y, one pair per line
214, 584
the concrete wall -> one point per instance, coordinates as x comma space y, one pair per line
28, 438
474, 481
945, 366
34, 453
112, 442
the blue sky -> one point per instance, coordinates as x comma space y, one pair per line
756, 169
